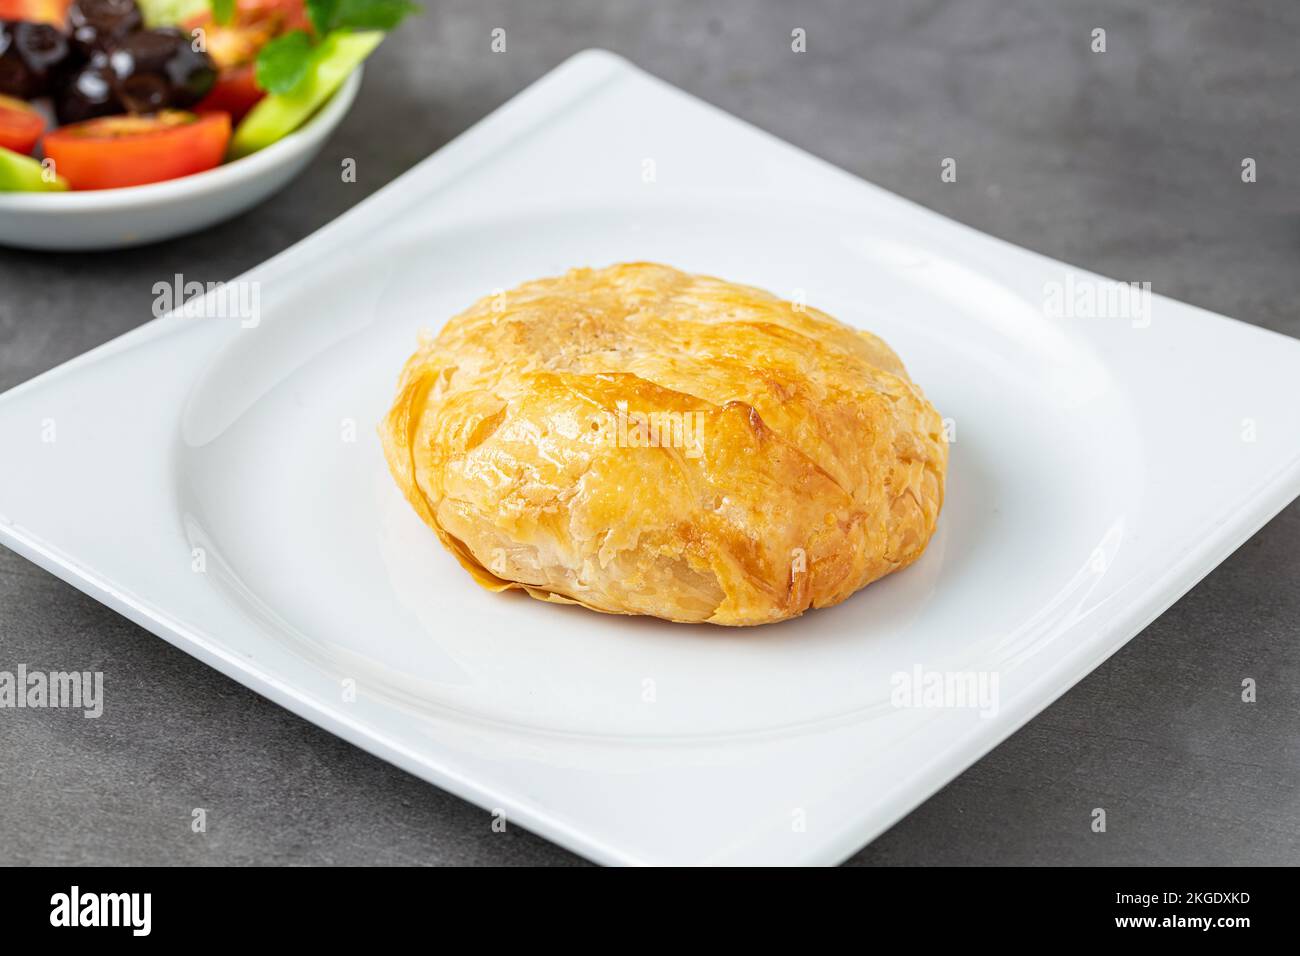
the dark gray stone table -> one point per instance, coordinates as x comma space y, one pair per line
1127, 163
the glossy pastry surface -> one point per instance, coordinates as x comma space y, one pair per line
641, 440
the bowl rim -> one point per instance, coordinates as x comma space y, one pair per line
321, 123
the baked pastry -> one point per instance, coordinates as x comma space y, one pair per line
639, 440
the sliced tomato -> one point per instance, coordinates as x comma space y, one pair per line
292, 12
234, 47
20, 125
235, 44
236, 92
37, 11
255, 23
115, 151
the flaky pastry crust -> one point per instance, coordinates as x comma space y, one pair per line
639, 440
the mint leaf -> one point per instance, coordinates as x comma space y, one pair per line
327, 15
322, 14
372, 14
283, 62
223, 11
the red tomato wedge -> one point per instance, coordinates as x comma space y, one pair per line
234, 47
236, 43
236, 92
115, 151
20, 125
38, 11
254, 24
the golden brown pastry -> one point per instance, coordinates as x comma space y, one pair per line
639, 440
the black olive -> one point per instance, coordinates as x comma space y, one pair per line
100, 24
32, 56
88, 93
160, 69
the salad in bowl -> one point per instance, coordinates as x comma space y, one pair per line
104, 103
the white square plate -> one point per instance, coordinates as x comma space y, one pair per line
1101, 467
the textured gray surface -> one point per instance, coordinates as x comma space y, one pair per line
1126, 163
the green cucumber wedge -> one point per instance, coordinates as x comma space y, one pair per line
279, 114
167, 13
22, 174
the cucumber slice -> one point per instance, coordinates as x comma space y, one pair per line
278, 114
166, 13
22, 174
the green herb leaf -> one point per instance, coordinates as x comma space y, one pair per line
284, 61
223, 11
327, 15
372, 14
322, 14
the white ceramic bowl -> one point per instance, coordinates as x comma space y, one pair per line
113, 218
